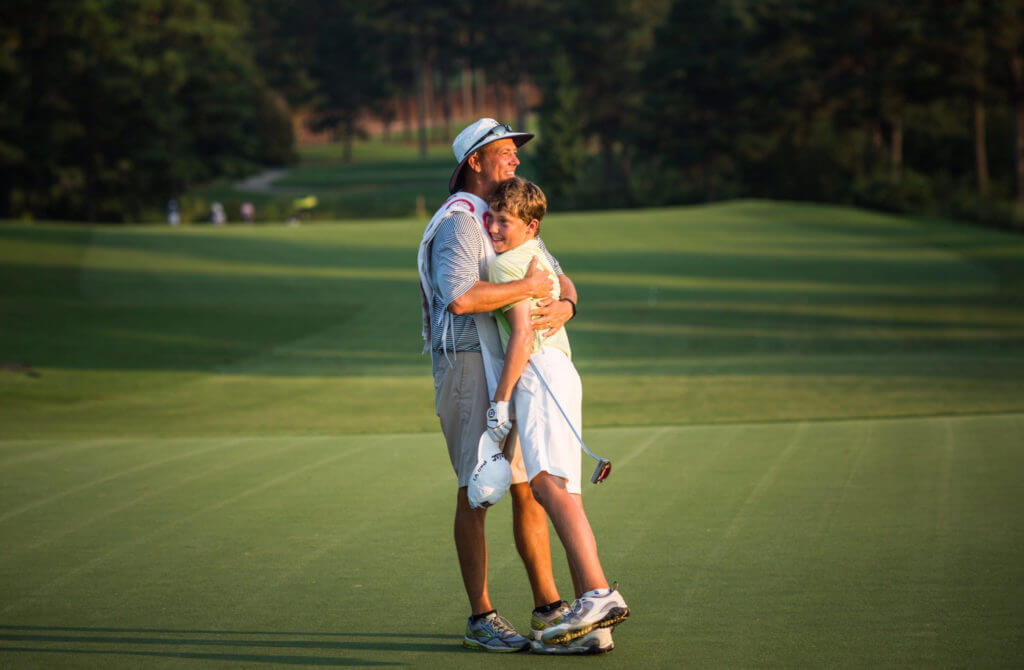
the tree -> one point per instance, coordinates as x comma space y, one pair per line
118, 104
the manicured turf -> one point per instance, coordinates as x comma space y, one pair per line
861, 543
219, 446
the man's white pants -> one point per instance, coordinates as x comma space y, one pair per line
548, 443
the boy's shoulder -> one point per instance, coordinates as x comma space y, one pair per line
513, 263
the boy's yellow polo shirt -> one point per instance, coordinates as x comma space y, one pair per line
511, 266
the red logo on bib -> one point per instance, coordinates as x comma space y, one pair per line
468, 204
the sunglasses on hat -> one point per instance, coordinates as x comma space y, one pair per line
496, 131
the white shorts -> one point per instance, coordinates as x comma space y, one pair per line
548, 443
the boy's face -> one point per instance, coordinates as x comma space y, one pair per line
509, 231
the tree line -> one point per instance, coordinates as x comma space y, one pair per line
111, 106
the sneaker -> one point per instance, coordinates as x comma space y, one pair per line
493, 633
599, 608
539, 622
597, 641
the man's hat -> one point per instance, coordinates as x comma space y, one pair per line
480, 134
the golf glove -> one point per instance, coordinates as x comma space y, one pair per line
498, 423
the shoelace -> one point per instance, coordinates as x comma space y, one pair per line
501, 625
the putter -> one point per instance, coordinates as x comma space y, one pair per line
604, 466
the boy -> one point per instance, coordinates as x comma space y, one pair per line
550, 452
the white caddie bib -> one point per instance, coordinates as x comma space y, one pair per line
486, 326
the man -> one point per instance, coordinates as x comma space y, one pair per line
466, 359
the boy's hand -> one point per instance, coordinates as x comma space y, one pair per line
498, 424
549, 315
538, 281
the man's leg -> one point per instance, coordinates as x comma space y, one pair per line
530, 528
471, 546
573, 530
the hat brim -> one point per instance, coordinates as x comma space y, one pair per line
519, 138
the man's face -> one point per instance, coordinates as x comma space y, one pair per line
508, 231
497, 162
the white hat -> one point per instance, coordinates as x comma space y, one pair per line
480, 134
492, 475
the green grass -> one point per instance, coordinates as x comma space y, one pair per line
741, 312
227, 454
862, 543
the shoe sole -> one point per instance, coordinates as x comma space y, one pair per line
561, 650
615, 616
478, 646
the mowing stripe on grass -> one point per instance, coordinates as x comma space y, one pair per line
745, 509
838, 501
116, 475
643, 447
62, 450
165, 528
297, 566
82, 525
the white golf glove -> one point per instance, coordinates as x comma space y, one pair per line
498, 423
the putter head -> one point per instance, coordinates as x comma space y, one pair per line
601, 472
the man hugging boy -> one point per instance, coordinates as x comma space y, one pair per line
550, 451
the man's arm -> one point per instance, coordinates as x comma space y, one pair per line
486, 296
550, 315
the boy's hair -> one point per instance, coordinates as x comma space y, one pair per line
521, 198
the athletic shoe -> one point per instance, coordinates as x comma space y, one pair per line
597, 641
539, 622
493, 633
600, 608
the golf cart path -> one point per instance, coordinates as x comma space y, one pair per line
262, 182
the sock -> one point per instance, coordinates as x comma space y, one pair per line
549, 608
484, 615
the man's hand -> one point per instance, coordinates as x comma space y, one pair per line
549, 315
538, 280
498, 424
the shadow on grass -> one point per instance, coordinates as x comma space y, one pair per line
306, 307
175, 643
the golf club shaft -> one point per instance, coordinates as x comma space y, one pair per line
559, 406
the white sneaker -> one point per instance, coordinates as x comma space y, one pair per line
597, 641
600, 608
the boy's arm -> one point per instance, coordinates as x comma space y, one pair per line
517, 354
486, 296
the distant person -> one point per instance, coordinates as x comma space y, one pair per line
173, 217
248, 212
538, 373
217, 215
302, 208
462, 335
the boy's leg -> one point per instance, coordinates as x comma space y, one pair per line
573, 529
598, 606
576, 584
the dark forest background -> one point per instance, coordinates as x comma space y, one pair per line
110, 107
